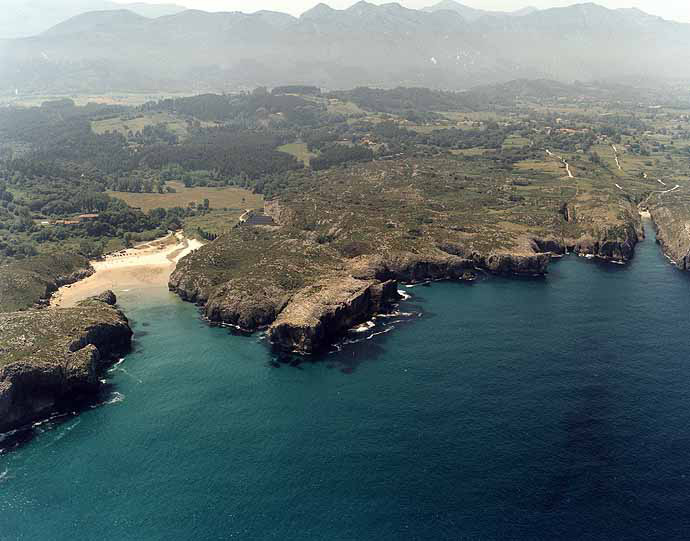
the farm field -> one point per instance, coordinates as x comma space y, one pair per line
215, 222
121, 125
299, 151
219, 198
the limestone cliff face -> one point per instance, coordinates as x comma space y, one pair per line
51, 356
617, 247
250, 311
409, 267
307, 318
673, 234
191, 286
615, 244
318, 315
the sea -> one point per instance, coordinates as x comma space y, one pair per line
554, 408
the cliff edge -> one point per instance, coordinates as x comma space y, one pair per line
49, 357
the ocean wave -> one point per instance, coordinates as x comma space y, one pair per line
66, 430
364, 327
396, 313
116, 365
384, 331
405, 296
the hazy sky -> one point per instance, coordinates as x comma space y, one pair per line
671, 9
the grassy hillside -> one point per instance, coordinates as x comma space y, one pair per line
24, 282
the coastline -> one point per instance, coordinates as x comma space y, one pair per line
147, 265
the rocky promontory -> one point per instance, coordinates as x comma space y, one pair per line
673, 233
51, 357
339, 245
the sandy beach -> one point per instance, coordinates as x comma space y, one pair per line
146, 265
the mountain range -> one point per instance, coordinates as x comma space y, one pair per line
386, 45
472, 14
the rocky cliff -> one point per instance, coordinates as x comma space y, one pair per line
347, 233
320, 314
673, 233
315, 308
49, 357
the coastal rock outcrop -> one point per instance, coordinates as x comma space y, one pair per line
673, 234
318, 315
345, 234
249, 311
49, 357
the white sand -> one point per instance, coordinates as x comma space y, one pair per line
147, 265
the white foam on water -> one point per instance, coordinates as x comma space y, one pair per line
405, 296
62, 433
4, 474
115, 399
384, 331
397, 313
116, 365
364, 327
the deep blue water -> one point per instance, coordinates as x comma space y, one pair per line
511, 409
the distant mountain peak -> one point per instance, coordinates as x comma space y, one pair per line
95, 19
318, 11
471, 14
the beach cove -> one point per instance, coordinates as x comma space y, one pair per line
148, 265
521, 409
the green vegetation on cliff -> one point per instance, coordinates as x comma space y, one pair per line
25, 282
48, 357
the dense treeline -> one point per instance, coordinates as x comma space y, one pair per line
402, 100
336, 154
230, 152
244, 109
305, 90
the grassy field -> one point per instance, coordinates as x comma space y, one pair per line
124, 125
219, 198
299, 151
216, 222
515, 141
345, 108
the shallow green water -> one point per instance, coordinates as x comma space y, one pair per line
511, 409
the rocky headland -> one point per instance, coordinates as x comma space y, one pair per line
339, 248
49, 358
672, 223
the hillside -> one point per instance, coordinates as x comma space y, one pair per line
24, 18
371, 45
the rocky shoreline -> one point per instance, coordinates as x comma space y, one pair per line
336, 251
305, 322
53, 357
673, 235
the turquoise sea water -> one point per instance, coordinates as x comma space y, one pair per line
511, 409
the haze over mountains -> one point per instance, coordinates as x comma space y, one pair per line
23, 18
472, 14
445, 46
